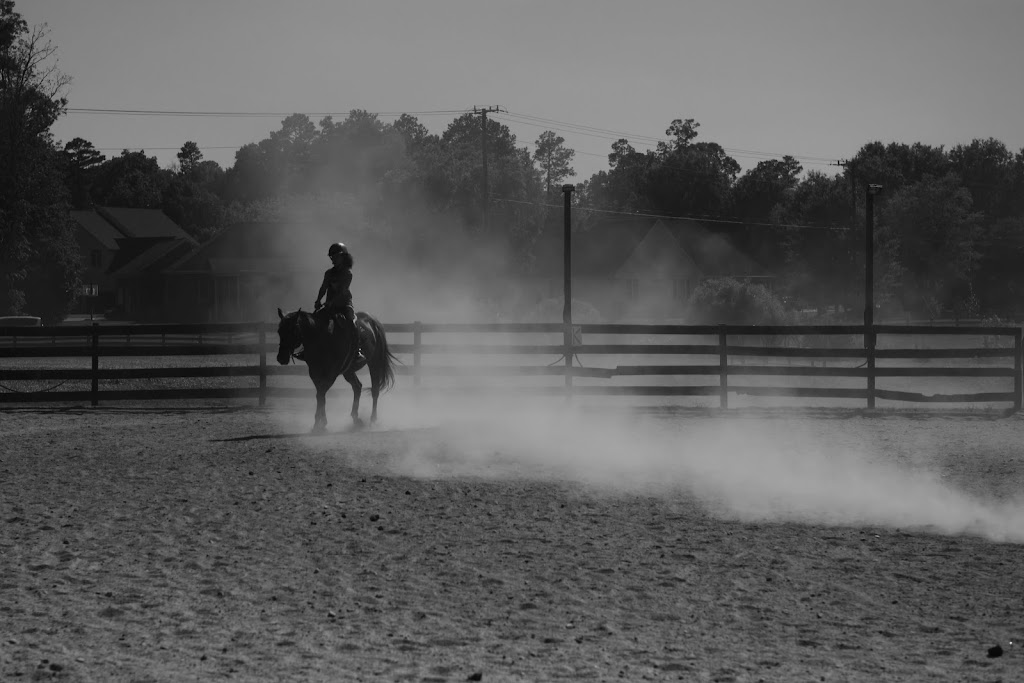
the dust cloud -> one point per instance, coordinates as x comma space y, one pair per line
773, 470
750, 469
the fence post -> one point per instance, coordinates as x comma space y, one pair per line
869, 346
567, 343
263, 365
95, 364
1018, 366
723, 364
417, 337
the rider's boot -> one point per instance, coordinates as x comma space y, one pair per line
360, 358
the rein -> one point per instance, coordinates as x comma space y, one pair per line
298, 335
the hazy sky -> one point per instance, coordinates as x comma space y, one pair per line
811, 78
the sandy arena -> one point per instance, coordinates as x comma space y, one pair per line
188, 542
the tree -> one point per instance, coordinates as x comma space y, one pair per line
693, 179
681, 133
938, 235
625, 187
820, 262
411, 130
986, 169
131, 180
762, 188
554, 158
81, 162
39, 264
188, 159
190, 197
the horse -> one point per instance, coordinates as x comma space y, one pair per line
329, 352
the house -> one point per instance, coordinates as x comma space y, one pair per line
97, 245
248, 270
122, 250
638, 268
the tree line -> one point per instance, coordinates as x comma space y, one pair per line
949, 224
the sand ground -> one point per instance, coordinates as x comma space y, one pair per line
195, 542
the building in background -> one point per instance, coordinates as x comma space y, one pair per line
123, 252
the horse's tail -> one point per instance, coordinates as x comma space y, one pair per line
381, 359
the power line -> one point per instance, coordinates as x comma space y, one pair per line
143, 148
247, 114
615, 135
511, 117
699, 219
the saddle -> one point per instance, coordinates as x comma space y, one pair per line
334, 320
337, 321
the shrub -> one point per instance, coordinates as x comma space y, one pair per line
726, 301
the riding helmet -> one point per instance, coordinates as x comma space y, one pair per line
337, 248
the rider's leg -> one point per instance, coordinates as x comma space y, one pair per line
350, 314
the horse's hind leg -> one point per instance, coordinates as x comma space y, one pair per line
357, 390
320, 417
374, 392
375, 382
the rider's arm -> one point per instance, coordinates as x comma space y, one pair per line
323, 289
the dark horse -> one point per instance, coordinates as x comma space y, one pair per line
329, 351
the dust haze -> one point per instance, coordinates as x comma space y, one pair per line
434, 269
766, 469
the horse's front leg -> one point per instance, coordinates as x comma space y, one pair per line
357, 390
320, 417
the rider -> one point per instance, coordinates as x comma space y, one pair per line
336, 284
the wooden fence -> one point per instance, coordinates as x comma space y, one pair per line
726, 356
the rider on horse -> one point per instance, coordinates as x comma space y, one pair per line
336, 288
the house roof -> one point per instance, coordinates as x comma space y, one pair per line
129, 248
607, 247
97, 226
155, 256
600, 250
143, 223
264, 247
659, 256
714, 252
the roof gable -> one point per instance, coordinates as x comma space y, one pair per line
715, 253
97, 226
262, 246
598, 251
155, 256
659, 256
627, 247
143, 223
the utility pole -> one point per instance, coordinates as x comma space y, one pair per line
869, 254
869, 287
567, 191
483, 111
567, 335
852, 166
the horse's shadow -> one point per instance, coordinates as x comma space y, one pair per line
351, 429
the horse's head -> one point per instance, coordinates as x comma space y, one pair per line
289, 333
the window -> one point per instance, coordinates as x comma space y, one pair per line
680, 290
96, 258
632, 289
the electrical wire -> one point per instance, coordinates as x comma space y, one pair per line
699, 219
518, 118
247, 114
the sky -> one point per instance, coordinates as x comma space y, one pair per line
815, 79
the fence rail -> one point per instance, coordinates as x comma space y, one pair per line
722, 353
